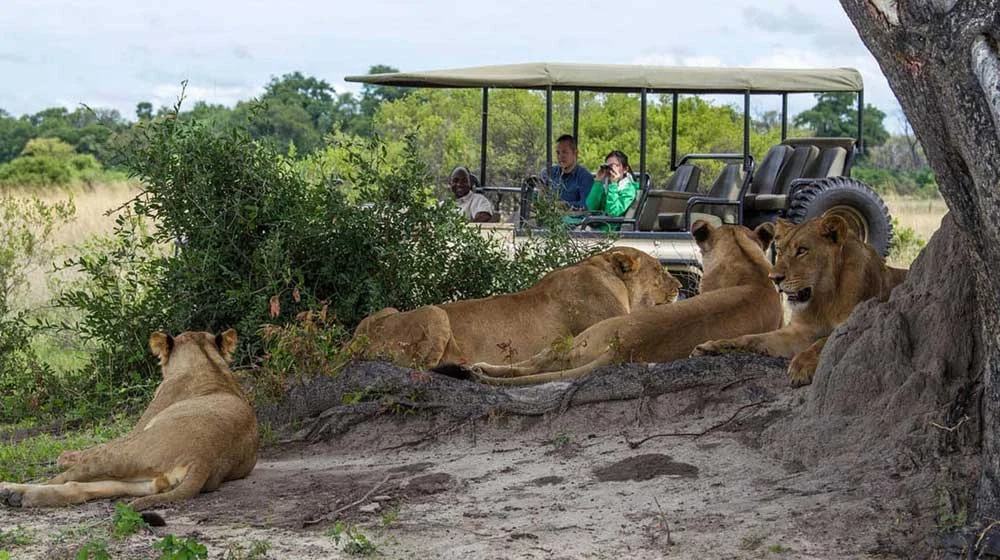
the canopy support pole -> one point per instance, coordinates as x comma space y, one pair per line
482, 143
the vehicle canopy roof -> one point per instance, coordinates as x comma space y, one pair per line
627, 77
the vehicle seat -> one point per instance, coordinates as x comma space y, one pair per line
795, 167
829, 163
684, 179
727, 185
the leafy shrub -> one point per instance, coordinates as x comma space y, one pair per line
36, 171
26, 225
229, 233
905, 245
172, 548
920, 183
126, 521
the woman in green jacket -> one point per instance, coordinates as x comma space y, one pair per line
614, 188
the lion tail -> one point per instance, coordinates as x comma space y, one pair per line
458, 371
190, 486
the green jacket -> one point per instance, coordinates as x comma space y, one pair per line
616, 200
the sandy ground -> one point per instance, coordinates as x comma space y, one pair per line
566, 486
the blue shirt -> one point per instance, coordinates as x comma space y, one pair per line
574, 186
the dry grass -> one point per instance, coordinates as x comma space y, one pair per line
923, 216
92, 206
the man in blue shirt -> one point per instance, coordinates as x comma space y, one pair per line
572, 180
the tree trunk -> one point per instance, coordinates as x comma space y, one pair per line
941, 59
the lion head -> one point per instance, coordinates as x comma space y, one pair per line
648, 283
731, 253
809, 257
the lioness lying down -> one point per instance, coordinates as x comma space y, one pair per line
198, 432
563, 303
736, 298
825, 270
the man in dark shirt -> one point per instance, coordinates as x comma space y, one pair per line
572, 180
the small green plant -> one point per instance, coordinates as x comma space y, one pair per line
172, 548
560, 441
562, 346
778, 549
389, 517
93, 550
906, 245
18, 536
354, 541
126, 521
4, 555
254, 550
267, 434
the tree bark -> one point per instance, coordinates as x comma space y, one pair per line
941, 59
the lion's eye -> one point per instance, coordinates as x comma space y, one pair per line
801, 251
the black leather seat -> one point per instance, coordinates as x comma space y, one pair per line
727, 185
795, 167
684, 179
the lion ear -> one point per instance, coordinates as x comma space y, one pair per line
226, 343
701, 230
764, 234
782, 226
624, 263
835, 228
161, 344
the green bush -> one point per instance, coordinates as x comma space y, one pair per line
36, 171
238, 236
25, 228
920, 183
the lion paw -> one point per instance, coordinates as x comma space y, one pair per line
10, 497
801, 370
714, 348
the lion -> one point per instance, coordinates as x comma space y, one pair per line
498, 328
824, 269
736, 298
198, 432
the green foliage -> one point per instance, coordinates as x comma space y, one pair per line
119, 292
906, 244
126, 521
919, 183
35, 457
26, 225
50, 162
4, 555
93, 550
16, 536
836, 115
229, 233
254, 550
354, 541
172, 548
446, 124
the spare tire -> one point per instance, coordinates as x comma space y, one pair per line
849, 198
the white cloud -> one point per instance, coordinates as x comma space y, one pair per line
167, 94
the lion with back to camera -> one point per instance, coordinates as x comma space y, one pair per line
198, 432
499, 328
824, 269
736, 298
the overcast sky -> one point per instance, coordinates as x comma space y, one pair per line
115, 53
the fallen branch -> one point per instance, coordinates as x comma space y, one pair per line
326, 517
696, 435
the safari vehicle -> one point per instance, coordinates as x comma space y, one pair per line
797, 179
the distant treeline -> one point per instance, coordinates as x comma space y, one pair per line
303, 116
